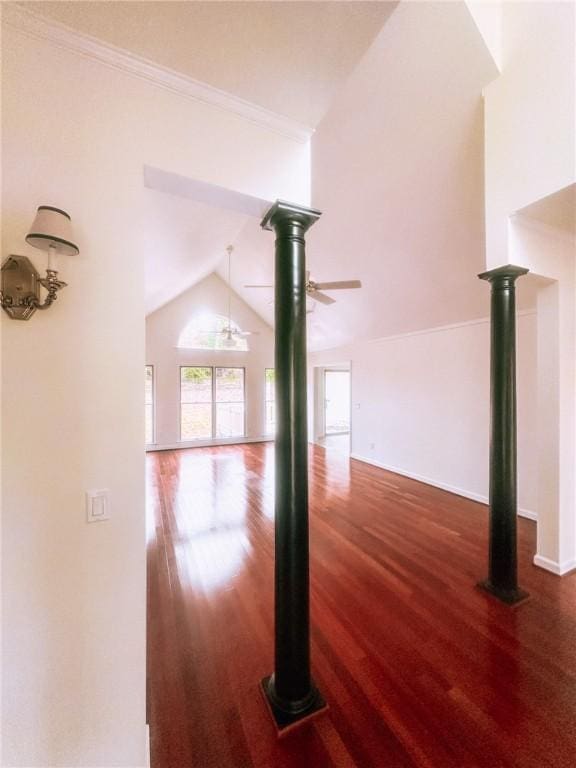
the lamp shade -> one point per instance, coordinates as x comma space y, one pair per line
52, 227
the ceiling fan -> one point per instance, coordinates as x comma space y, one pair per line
315, 290
229, 332
309, 309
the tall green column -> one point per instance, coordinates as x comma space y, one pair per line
290, 691
502, 581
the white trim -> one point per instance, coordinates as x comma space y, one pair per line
480, 498
148, 755
421, 332
210, 443
551, 565
81, 44
440, 328
527, 513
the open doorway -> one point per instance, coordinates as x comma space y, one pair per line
336, 402
332, 412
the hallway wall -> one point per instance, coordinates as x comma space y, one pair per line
420, 405
76, 134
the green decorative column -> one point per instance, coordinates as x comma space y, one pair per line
290, 692
502, 581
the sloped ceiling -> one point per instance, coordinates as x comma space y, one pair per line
185, 241
289, 57
397, 157
397, 169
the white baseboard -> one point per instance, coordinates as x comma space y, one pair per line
527, 513
551, 565
209, 443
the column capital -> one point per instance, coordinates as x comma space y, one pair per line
505, 275
282, 212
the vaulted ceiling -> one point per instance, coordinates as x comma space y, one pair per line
289, 57
395, 94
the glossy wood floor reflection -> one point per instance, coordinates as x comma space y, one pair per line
419, 668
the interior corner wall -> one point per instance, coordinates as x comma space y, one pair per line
549, 254
421, 406
530, 123
76, 134
163, 328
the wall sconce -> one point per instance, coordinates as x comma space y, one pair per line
20, 292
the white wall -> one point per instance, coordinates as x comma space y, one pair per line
420, 405
397, 170
530, 140
76, 134
163, 328
530, 154
550, 253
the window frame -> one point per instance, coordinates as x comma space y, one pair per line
266, 401
213, 403
152, 404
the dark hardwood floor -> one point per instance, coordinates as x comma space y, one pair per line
419, 668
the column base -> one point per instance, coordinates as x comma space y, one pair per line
284, 720
508, 596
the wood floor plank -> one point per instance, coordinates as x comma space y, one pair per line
420, 669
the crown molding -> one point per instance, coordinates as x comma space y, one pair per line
442, 328
80, 44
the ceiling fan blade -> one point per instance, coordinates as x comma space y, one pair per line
321, 297
258, 286
308, 311
247, 333
334, 286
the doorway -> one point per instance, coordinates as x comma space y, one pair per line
336, 402
332, 413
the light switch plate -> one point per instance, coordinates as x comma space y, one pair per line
97, 505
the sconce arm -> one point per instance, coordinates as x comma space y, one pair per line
52, 286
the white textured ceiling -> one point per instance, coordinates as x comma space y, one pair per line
289, 57
397, 170
184, 242
397, 160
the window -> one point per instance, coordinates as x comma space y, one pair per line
229, 402
212, 402
195, 403
149, 403
270, 400
209, 332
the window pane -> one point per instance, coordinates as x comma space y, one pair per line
149, 423
195, 385
229, 419
270, 397
205, 332
149, 383
270, 379
196, 421
270, 417
229, 385
149, 404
